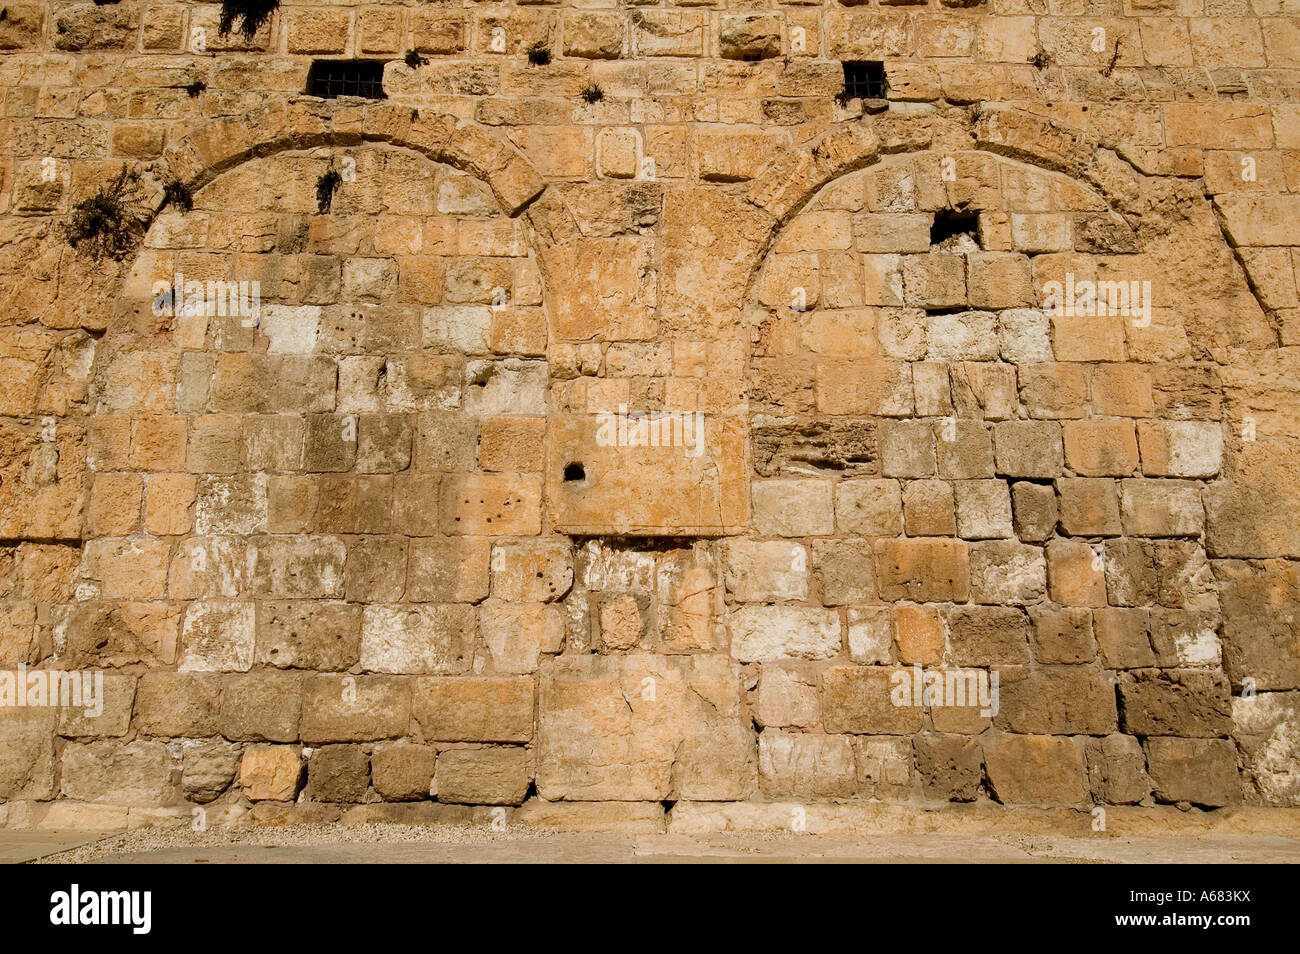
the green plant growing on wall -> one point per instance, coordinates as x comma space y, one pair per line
252, 14
325, 186
592, 93
110, 222
539, 54
414, 60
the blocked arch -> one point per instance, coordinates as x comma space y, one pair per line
221, 144
792, 179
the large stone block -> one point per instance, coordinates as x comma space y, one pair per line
417, 638
218, 636
1007, 572
988, 635
208, 766
684, 475
1266, 727
923, 570
859, 699
302, 634
643, 727
498, 776
170, 704
804, 765
132, 773
261, 706
474, 708
766, 571
354, 708
1036, 770
518, 634
402, 771
26, 753
1200, 771
270, 773
1117, 770
1261, 622
338, 773
950, 766
1185, 702
760, 633
1057, 700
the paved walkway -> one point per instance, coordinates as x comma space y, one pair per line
372, 844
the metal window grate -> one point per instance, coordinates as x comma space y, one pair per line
332, 78
864, 80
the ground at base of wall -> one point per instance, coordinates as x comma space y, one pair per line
350, 823
433, 844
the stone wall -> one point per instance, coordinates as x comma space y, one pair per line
404, 536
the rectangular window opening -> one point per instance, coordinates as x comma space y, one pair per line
331, 79
864, 80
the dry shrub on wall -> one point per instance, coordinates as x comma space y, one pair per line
252, 14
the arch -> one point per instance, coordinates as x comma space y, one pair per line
790, 180
220, 144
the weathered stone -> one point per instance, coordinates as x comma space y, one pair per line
793, 508
760, 633
535, 571
270, 773
207, 768
109, 716
1117, 770
644, 727
1036, 770
950, 766
498, 776
337, 773
1266, 727
923, 570
1057, 700
1186, 702
1034, 511
309, 635
263, 706
177, 704
1261, 622
474, 708
859, 699
803, 765
27, 761
402, 771
843, 571
786, 698
1004, 572
1200, 771
987, 635
1062, 635
417, 638
354, 708
131, 773
759, 572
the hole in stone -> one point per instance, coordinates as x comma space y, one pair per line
955, 231
573, 473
